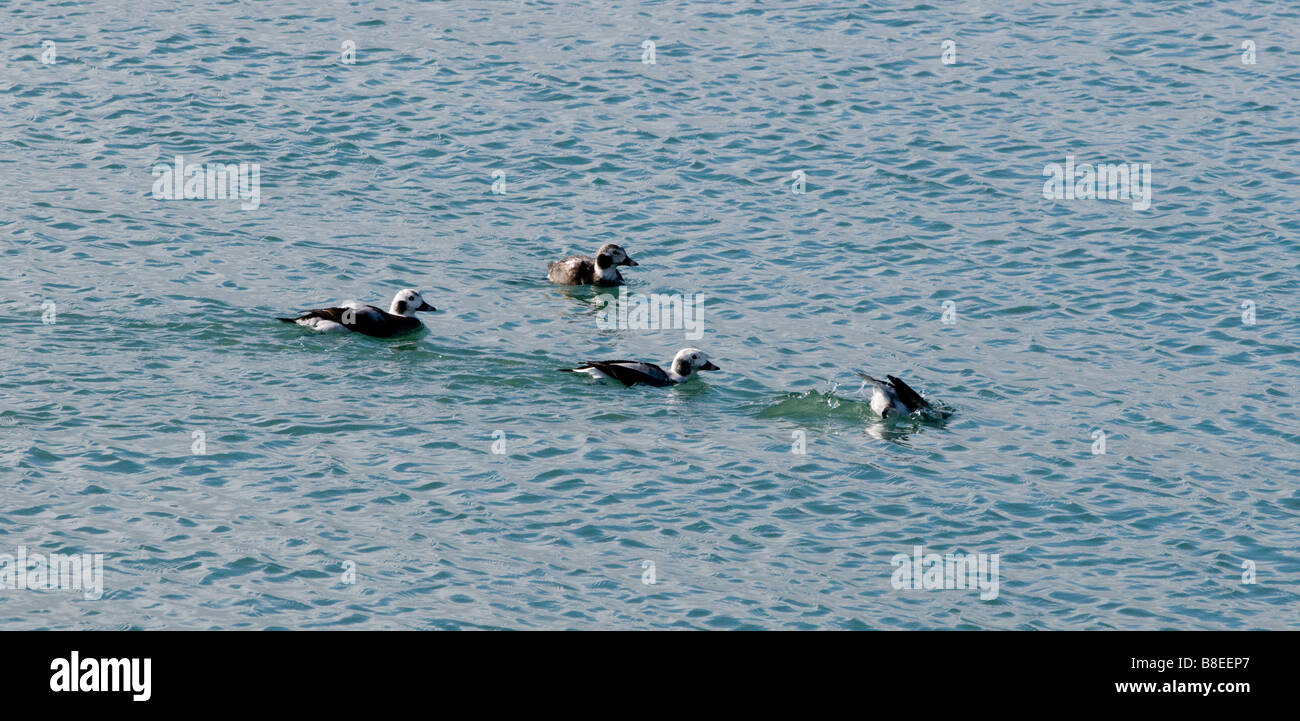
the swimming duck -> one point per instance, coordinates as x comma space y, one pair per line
893, 397
629, 373
368, 319
585, 270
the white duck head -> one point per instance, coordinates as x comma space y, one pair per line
689, 360
408, 302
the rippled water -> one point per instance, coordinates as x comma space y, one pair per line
923, 185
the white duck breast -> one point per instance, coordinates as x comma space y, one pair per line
368, 319
630, 373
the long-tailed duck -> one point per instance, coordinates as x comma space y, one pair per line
585, 270
629, 373
893, 397
368, 319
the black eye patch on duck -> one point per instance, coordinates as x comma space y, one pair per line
401, 307
681, 367
604, 260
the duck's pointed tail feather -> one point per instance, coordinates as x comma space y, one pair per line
873, 380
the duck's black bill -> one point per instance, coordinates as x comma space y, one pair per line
426, 306
709, 367
629, 261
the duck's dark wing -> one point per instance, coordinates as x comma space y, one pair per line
380, 323
909, 397
363, 319
573, 270
631, 372
334, 314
